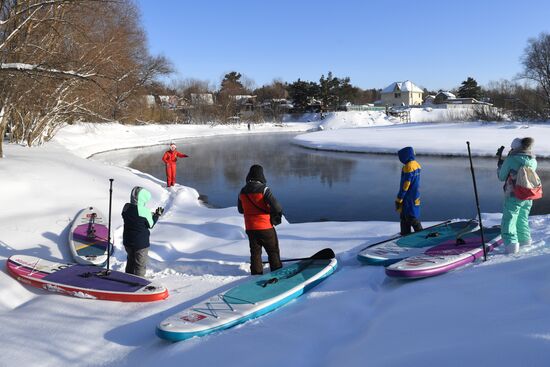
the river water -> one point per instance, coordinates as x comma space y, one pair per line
318, 186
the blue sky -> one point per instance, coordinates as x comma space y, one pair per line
436, 44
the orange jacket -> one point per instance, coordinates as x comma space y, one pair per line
256, 202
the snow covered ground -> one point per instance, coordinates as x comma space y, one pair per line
487, 314
429, 138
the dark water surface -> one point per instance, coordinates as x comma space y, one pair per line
316, 186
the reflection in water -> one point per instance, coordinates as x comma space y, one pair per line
314, 185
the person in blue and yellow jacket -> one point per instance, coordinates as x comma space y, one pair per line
408, 197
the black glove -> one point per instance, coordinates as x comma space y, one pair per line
499, 151
398, 205
159, 211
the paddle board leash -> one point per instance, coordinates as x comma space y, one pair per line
477, 202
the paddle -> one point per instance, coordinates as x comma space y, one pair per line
109, 227
324, 254
394, 238
477, 202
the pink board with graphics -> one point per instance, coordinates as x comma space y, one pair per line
83, 281
450, 255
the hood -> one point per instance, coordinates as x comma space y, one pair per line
140, 197
256, 173
523, 158
406, 155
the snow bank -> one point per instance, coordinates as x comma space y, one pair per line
429, 138
85, 139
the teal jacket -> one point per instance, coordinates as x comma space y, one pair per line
507, 170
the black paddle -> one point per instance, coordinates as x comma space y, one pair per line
324, 254
477, 202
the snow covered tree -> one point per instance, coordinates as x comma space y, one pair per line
469, 89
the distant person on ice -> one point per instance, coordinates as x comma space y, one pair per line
261, 211
138, 219
170, 158
515, 214
408, 197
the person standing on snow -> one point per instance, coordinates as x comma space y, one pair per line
170, 158
408, 197
515, 214
138, 219
261, 210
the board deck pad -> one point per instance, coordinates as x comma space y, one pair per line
414, 244
249, 300
86, 246
84, 281
446, 256
86, 276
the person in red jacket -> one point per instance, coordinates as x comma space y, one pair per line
261, 211
169, 158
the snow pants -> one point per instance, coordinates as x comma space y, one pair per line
266, 238
407, 222
515, 221
170, 174
136, 260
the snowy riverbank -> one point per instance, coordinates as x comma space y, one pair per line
429, 138
490, 314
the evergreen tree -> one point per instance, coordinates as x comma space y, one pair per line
231, 84
469, 89
302, 92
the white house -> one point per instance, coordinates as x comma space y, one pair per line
401, 94
202, 99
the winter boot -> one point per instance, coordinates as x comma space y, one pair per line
512, 248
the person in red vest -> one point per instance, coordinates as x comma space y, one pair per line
170, 158
261, 211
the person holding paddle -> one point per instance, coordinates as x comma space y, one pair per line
261, 211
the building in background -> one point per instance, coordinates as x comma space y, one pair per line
401, 94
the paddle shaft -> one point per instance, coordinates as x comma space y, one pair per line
477, 202
394, 238
109, 230
324, 254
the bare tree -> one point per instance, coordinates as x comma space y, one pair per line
61, 60
536, 64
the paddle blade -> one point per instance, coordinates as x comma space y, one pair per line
325, 254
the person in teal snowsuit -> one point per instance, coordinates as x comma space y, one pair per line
407, 202
515, 214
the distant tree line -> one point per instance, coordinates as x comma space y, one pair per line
328, 94
67, 60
